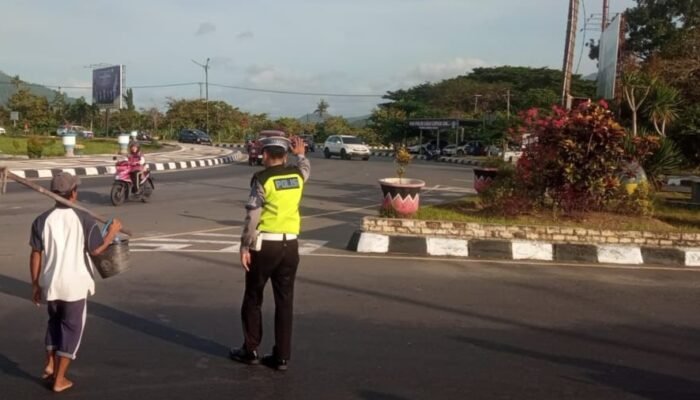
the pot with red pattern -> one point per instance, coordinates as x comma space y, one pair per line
483, 177
401, 195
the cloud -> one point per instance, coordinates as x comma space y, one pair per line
245, 35
432, 72
205, 28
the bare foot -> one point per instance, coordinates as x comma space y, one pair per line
48, 374
62, 384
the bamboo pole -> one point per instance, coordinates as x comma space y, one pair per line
9, 175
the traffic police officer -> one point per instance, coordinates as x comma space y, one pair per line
269, 248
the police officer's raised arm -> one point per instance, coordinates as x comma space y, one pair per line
303, 163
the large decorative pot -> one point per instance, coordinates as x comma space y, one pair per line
123, 141
69, 144
401, 195
483, 177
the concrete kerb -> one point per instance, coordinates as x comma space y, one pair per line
111, 170
375, 243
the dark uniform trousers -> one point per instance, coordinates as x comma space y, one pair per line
278, 262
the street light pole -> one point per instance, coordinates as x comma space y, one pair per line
206, 84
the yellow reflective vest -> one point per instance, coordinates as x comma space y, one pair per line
283, 188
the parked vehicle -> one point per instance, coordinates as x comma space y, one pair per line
143, 136
431, 145
2, 131
75, 130
346, 147
122, 188
194, 136
450, 150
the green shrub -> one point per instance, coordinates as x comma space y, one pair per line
35, 147
640, 202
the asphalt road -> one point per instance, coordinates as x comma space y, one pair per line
378, 328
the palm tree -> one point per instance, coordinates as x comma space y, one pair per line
663, 107
16, 81
321, 108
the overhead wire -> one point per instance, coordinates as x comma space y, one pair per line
224, 86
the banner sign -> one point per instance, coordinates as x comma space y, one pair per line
107, 86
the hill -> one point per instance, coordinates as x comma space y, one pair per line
7, 89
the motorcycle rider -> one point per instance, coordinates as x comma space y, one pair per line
136, 163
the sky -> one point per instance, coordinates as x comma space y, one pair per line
317, 46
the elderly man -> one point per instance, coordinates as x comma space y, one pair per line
62, 274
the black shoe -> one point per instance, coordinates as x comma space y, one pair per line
274, 362
244, 356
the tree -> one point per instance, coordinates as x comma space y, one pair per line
79, 111
652, 24
129, 100
636, 87
33, 109
322, 108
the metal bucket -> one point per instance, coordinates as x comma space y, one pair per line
114, 260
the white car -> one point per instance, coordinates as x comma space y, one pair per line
346, 147
451, 150
2, 131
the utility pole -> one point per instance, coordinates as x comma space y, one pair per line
476, 103
569, 53
206, 84
508, 105
606, 13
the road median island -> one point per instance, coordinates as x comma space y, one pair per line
105, 166
523, 242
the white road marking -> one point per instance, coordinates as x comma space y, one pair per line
217, 234
306, 247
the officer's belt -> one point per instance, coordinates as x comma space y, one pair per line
277, 237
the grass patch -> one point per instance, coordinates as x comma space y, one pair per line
670, 215
17, 145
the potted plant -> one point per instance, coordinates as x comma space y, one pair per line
486, 173
401, 195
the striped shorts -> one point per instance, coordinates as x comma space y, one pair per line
66, 325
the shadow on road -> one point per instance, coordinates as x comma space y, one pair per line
11, 368
649, 385
21, 289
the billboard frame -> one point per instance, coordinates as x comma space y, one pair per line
608, 58
116, 82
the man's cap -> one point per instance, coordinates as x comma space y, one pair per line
281, 142
63, 182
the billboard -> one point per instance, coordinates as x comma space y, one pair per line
107, 86
608, 55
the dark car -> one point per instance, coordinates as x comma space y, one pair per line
309, 142
194, 136
144, 136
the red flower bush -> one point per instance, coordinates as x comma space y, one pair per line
575, 158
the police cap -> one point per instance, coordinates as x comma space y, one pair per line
276, 141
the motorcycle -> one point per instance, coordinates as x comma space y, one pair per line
123, 185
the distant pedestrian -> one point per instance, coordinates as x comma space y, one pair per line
62, 275
269, 248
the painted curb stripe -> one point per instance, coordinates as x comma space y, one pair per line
365, 242
373, 243
447, 247
619, 255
